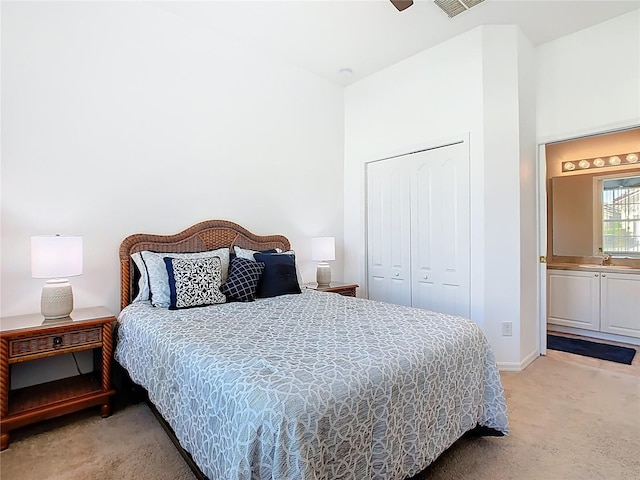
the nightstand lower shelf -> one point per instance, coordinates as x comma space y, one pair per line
50, 393
52, 399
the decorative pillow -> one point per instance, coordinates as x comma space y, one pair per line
143, 283
194, 282
157, 271
248, 254
279, 277
242, 282
298, 272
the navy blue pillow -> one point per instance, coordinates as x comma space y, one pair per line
279, 276
242, 281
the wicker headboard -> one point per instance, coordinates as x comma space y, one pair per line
201, 237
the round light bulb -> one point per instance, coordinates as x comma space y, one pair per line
569, 166
598, 162
632, 158
615, 160
584, 164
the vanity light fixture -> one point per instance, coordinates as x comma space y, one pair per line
612, 161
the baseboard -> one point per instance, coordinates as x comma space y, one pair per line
518, 366
509, 366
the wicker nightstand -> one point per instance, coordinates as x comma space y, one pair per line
346, 289
29, 337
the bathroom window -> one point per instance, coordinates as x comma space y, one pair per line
621, 216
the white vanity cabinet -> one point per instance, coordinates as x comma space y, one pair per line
620, 304
574, 299
601, 301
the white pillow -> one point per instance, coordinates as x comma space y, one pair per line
248, 253
156, 272
143, 283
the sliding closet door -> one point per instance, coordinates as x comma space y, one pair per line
418, 241
440, 224
388, 232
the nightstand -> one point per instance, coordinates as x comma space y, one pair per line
346, 289
30, 337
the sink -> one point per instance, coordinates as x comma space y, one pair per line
593, 265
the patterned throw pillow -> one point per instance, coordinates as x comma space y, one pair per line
156, 271
243, 279
279, 277
194, 282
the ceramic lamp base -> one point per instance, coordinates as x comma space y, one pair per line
323, 274
57, 299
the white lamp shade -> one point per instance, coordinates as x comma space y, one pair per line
55, 256
323, 249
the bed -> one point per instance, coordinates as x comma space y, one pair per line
308, 385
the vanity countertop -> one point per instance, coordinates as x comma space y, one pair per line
587, 267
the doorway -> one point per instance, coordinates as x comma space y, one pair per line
585, 154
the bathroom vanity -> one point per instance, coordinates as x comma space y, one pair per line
597, 298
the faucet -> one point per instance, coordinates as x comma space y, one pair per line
605, 259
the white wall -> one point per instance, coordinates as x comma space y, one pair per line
502, 190
468, 84
121, 118
529, 248
508, 95
589, 82
415, 103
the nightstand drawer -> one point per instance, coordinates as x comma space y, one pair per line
55, 342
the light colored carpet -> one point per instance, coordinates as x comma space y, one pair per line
567, 422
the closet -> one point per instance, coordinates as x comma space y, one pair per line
418, 229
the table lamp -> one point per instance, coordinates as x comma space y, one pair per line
56, 257
323, 249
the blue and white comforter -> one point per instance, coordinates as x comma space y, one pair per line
312, 386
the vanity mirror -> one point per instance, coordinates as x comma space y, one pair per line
596, 214
571, 210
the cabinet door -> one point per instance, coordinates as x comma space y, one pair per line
440, 224
388, 232
620, 304
574, 299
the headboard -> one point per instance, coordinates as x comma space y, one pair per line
201, 237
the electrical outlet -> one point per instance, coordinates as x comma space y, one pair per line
507, 329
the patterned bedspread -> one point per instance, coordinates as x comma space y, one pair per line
312, 386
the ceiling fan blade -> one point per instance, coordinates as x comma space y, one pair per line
402, 4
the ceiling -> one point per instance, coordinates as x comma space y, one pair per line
365, 36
